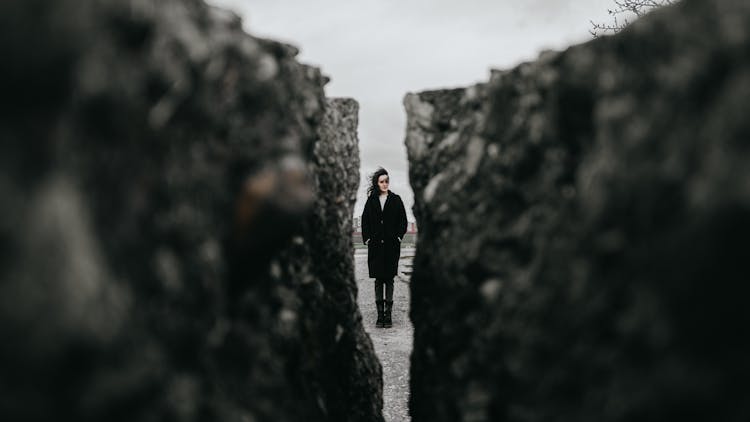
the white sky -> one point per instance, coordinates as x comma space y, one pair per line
376, 51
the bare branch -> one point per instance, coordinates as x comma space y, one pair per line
625, 9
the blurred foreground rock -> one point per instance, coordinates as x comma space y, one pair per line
584, 219
160, 260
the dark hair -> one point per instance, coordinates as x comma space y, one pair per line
373, 188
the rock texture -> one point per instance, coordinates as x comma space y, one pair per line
337, 360
583, 221
158, 168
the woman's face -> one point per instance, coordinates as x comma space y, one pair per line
383, 183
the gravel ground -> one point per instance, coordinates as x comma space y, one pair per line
392, 345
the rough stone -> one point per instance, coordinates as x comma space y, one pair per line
157, 166
591, 264
342, 368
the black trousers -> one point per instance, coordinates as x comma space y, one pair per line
388, 283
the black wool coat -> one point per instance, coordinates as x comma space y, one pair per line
381, 231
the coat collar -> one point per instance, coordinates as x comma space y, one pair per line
377, 195
376, 198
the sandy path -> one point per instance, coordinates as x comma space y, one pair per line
392, 345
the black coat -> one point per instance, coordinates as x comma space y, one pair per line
383, 228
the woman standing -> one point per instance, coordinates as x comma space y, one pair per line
383, 228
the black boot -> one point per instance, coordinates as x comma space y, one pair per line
380, 305
387, 314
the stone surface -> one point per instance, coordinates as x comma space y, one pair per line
583, 221
158, 168
337, 362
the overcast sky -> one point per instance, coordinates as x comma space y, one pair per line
376, 51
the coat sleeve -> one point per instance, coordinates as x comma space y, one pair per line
365, 224
401, 219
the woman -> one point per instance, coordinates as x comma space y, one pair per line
383, 228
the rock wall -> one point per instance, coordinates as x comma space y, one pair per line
337, 363
168, 210
583, 221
